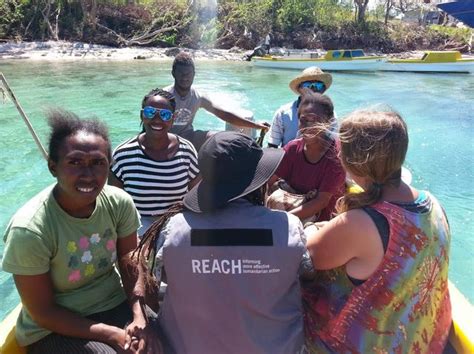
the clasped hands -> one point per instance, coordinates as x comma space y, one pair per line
142, 338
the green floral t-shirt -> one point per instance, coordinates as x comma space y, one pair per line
79, 254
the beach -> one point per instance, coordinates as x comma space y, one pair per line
67, 51
63, 50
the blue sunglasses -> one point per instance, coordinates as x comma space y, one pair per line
150, 112
316, 86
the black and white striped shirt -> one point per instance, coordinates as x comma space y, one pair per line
154, 185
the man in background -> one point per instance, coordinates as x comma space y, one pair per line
266, 43
189, 100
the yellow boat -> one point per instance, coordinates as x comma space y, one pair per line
461, 336
8, 343
333, 60
432, 61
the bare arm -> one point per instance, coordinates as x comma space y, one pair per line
134, 289
272, 181
230, 117
350, 239
114, 181
132, 273
37, 295
312, 206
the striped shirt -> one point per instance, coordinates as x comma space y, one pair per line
154, 185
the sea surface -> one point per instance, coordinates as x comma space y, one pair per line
438, 109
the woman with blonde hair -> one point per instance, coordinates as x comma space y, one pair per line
383, 261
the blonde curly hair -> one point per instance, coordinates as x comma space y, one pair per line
373, 145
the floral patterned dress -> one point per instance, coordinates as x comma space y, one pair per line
404, 307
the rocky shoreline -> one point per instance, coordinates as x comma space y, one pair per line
62, 50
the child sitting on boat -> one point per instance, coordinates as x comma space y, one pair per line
155, 167
383, 261
310, 166
62, 247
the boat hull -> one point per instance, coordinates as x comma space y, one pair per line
457, 67
361, 64
461, 335
8, 343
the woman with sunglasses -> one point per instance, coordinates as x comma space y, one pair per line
285, 120
155, 167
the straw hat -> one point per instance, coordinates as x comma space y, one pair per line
313, 73
232, 165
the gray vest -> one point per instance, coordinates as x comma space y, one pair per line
232, 281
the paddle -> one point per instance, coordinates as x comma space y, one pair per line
22, 113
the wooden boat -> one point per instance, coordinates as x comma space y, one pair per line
432, 61
8, 343
461, 336
333, 60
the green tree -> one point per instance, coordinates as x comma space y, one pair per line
12, 13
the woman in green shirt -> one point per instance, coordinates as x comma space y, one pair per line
63, 244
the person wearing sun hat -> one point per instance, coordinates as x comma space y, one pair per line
231, 264
285, 120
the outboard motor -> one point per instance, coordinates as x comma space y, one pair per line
248, 131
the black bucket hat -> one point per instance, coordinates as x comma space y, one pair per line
232, 165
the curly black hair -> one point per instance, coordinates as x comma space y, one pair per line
183, 58
64, 124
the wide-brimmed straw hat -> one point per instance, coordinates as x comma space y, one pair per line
232, 165
312, 73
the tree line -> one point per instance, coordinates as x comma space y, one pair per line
327, 24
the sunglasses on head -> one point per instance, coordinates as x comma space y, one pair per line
316, 86
150, 112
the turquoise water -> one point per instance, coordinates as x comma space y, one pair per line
438, 110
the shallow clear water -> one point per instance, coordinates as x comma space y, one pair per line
438, 109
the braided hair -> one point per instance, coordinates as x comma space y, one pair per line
162, 93
147, 248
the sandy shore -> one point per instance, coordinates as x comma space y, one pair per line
61, 50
